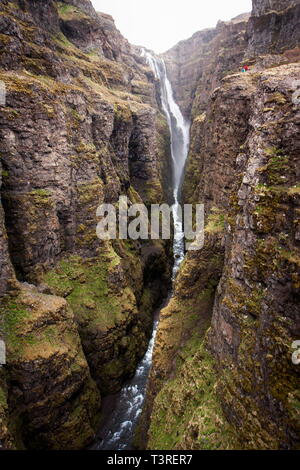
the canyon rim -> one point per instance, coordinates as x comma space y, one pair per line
139, 343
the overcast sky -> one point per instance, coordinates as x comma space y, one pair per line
160, 24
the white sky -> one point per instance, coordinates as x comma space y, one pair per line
160, 24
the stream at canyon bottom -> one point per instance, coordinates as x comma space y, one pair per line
122, 411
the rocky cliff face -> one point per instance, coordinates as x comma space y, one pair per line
260, 7
197, 65
81, 126
274, 27
222, 374
256, 312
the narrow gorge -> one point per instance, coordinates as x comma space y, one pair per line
139, 344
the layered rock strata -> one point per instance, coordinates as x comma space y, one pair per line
81, 126
223, 375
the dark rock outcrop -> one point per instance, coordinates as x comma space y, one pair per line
273, 27
256, 311
196, 66
261, 7
52, 399
81, 126
245, 163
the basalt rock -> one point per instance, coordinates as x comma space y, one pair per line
196, 66
6, 269
261, 7
268, 37
246, 158
273, 27
53, 401
256, 312
81, 126
231, 383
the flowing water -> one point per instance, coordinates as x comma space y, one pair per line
180, 132
123, 410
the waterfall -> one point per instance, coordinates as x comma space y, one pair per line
179, 131
117, 431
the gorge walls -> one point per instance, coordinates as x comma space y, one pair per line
222, 375
81, 126
261, 7
274, 28
201, 61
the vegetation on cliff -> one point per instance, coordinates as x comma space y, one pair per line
81, 126
244, 166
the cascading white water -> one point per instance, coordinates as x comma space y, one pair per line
179, 131
118, 430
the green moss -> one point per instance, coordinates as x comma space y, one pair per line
122, 112
42, 193
49, 110
85, 284
15, 84
291, 256
187, 413
14, 314
5, 39
216, 221
294, 406
243, 303
86, 151
294, 190
40, 197
134, 196
94, 55
277, 98
3, 402
200, 118
277, 165
69, 12
41, 327
62, 41
75, 114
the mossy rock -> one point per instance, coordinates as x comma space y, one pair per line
187, 413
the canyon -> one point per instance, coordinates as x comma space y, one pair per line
85, 122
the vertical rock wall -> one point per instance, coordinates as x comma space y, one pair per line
223, 376
81, 126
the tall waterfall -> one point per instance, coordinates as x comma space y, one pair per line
179, 131
118, 429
